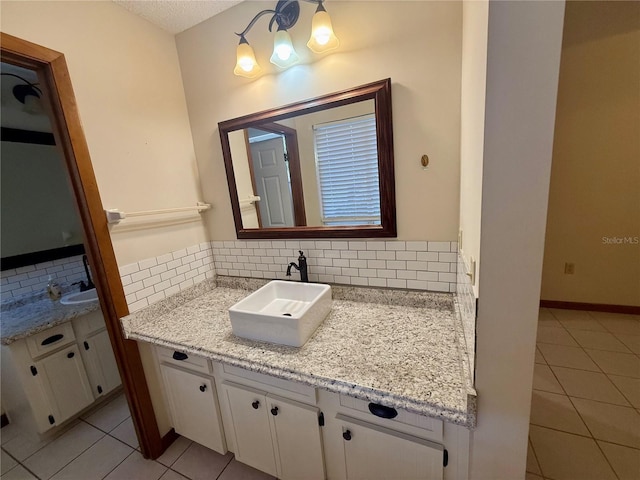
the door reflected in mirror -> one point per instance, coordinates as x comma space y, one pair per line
322, 168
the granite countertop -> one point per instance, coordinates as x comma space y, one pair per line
30, 315
396, 348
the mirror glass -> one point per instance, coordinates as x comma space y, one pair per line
319, 168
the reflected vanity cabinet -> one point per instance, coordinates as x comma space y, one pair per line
292, 431
64, 369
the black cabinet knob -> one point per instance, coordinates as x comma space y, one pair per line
256, 404
346, 435
274, 411
71, 355
203, 388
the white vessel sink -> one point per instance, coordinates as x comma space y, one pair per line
76, 298
286, 313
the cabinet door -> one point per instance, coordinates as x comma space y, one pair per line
101, 363
373, 452
296, 439
249, 416
194, 407
65, 381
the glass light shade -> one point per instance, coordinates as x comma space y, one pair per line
284, 54
246, 65
322, 37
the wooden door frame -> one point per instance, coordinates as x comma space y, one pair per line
53, 73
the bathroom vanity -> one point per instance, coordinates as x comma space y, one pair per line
57, 358
379, 391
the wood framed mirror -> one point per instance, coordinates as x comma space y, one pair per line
320, 168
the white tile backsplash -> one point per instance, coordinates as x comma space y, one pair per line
395, 264
34, 278
153, 279
466, 300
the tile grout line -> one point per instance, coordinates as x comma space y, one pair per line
19, 463
535, 457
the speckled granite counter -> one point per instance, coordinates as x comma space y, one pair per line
396, 348
30, 315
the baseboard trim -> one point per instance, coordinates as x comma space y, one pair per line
168, 439
4, 420
595, 307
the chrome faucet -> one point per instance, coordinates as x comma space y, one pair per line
301, 267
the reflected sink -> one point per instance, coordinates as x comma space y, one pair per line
281, 312
76, 298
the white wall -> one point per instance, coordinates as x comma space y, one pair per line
127, 83
417, 44
523, 56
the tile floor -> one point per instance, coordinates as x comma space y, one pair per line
103, 445
585, 405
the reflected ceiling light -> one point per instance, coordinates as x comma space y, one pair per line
28, 94
285, 15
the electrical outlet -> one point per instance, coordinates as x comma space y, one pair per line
569, 268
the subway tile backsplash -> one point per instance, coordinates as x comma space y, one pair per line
153, 279
31, 279
420, 265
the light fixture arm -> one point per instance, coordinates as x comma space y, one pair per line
22, 91
254, 20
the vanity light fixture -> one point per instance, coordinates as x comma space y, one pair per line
28, 94
285, 15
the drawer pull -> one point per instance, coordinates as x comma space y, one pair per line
256, 405
346, 435
180, 356
71, 355
382, 411
203, 388
52, 339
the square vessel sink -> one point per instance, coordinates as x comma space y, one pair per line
286, 313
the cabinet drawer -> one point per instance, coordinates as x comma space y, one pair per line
431, 427
184, 360
279, 386
50, 340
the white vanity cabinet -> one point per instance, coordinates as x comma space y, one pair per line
274, 434
190, 391
50, 369
372, 452
97, 353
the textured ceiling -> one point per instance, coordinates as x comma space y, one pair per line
175, 16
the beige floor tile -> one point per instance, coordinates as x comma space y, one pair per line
545, 380
599, 341
111, 415
546, 318
23, 441
556, 411
624, 460
566, 314
6, 462
174, 451
611, 423
564, 456
139, 468
589, 385
616, 363
532, 461
239, 471
582, 323
171, 475
200, 463
556, 336
18, 473
531, 476
571, 357
631, 341
96, 462
539, 358
630, 388
126, 433
52, 458
628, 324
